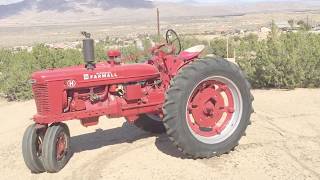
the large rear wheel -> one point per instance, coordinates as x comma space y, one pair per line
208, 108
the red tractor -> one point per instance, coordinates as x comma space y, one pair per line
204, 105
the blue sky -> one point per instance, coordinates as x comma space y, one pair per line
201, 1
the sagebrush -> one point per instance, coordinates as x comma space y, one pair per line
283, 60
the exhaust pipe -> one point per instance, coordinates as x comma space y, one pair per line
88, 51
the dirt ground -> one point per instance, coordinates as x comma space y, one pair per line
283, 142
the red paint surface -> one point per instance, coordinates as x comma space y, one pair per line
114, 90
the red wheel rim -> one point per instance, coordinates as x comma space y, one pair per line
211, 108
61, 146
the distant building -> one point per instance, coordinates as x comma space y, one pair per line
139, 44
22, 48
65, 45
265, 30
238, 32
286, 26
316, 27
283, 25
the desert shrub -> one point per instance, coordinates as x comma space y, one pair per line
284, 60
218, 47
16, 68
100, 51
131, 54
189, 41
55, 58
16, 71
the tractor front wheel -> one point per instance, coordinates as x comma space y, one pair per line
32, 144
56, 147
208, 108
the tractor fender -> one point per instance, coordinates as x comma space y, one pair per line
174, 64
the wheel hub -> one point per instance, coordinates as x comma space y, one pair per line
38, 146
39, 141
210, 108
61, 146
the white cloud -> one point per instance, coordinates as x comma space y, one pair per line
5, 2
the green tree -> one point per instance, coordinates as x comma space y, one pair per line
218, 47
304, 26
291, 22
14, 83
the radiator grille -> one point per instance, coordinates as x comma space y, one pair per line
41, 97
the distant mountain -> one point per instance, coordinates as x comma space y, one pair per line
15, 8
69, 5
42, 12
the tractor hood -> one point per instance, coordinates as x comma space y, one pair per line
104, 73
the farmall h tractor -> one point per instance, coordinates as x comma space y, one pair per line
204, 105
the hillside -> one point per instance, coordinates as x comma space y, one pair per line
47, 12
33, 21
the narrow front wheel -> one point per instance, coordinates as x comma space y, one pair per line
32, 148
56, 147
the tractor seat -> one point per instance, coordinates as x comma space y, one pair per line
192, 52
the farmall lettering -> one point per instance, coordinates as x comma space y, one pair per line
99, 75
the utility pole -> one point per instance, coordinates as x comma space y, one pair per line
227, 47
158, 22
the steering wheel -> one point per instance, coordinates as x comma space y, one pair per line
173, 39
